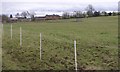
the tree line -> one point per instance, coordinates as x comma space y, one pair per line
90, 12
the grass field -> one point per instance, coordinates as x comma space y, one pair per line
97, 44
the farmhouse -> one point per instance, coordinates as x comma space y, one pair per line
47, 17
36, 18
13, 19
22, 19
52, 17
39, 18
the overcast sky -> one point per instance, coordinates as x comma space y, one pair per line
13, 6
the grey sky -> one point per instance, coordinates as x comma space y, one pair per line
13, 6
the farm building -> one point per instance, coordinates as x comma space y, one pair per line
52, 17
24, 19
47, 17
13, 20
39, 18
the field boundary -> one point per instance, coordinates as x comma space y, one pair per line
40, 45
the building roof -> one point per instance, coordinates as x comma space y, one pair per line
39, 17
53, 15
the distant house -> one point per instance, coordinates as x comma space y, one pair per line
23, 19
52, 17
13, 19
47, 17
40, 18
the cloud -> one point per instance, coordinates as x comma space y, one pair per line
56, 5
61, 1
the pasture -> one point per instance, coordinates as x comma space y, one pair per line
97, 44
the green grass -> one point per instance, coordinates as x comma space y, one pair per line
97, 44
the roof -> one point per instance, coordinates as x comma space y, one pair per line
39, 17
53, 15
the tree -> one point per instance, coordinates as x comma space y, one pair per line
25, 14
84, 14
109, 13
32, 18
78, 15
96, 13
17, 15
65, 15
32, 15
114, 13
104, 13
5, 18
90, 10
11, 16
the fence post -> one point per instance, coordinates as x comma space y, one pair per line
75, 55
20, 37
40, 45
11, 31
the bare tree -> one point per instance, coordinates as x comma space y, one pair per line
11, 16
17, 15
5, 18
78, 15
32, 15
66, 15
29, 14
25, 14
90, 10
